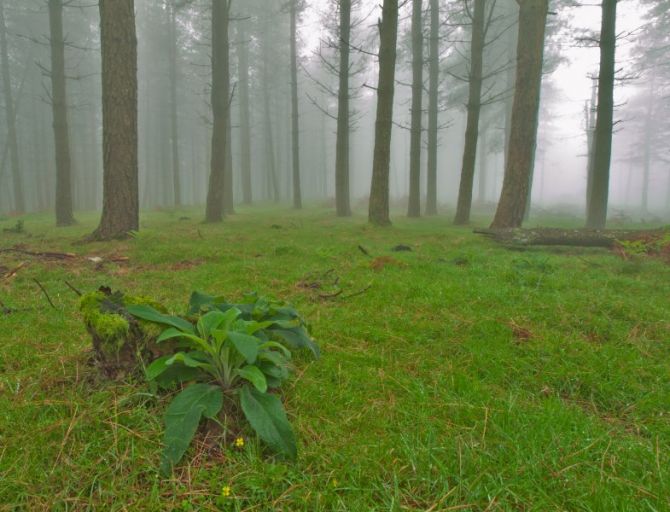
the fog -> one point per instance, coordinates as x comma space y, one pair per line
175, 111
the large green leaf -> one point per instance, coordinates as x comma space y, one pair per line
192, 360
151, 315
157, 367
178, 374
246, 345
167, 375
251, 327
267, 417
296, 338
171, 333
192, 340
254, 375
269, 345
182, 418
274, 357
274, 375
201, 301
210, 321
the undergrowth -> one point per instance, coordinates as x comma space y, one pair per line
455, 376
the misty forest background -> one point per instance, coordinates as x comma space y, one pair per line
248, 153
292, 108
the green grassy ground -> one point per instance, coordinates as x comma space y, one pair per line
467, 377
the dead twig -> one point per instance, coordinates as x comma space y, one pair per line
330, 295
363, 250
73, 289
14, 271
356, 294
45, 293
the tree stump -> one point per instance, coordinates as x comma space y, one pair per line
122, 344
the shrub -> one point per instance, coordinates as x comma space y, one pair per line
236, 353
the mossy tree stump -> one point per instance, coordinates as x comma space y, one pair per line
122, 344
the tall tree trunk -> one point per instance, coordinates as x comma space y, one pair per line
270, 157
342, 191
511, 42
295, 124
474, 108
220, 110
379, 191
433, 93
64, 215
229, 189
523, 138
483, 168
174, 117
597, 215
120, 205
245, 125
414, 207
12, 138
648, 135
590, 121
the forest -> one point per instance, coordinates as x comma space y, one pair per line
335, 255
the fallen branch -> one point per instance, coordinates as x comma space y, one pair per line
65, 256
73, 289
363, 250
14, 271
48, 255
570, 237
45, 293
330, 295
360, 292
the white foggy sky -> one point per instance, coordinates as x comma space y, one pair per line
564, 178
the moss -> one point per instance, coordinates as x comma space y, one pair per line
141, 300
119, 340
111, 327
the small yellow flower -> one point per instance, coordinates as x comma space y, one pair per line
226, 491
239, 442
334, 482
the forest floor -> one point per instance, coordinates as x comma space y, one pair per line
459, 375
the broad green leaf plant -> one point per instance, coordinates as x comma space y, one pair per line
227, 352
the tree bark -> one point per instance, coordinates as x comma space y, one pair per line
379, 191
525, 112
648, 135
414, 207
270, 159
342, 192
464, 205
120, 208
295, 114
174, 114
590, 120
433, 94
483, 167
245, 125
220, 110
511, 42
597, 215
229, 185
64, 215
12, 138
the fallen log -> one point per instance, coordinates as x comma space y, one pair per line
46, 255
606, 238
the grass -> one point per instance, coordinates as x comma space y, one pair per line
467, 377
